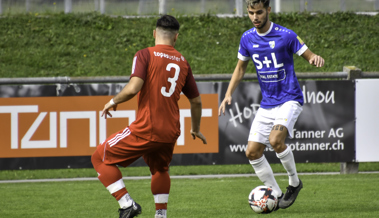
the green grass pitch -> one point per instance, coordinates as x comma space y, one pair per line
353, 195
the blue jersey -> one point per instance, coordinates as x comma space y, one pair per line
272, 54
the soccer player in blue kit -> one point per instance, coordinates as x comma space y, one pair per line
271, 47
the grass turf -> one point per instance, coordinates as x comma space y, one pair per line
322, 196
177, 170
90, 44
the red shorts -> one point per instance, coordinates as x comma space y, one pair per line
123, 148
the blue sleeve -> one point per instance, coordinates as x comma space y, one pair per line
295, 43
243, 52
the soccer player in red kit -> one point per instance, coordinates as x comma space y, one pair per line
159, 75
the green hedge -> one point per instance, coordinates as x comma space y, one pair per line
97, 45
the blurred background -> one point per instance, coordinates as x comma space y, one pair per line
185, 7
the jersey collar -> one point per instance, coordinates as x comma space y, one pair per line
268, 31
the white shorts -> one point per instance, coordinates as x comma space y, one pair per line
285, 114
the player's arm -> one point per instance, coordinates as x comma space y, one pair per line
196, 107
237, 76
192, 93
313, 59
128, 92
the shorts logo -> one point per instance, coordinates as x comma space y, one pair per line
272, 44
285, 119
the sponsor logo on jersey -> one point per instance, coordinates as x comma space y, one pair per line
300, 40
272, 44
272, 76
164, 55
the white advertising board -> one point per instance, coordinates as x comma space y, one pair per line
367, 119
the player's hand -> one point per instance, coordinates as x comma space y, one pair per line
199, 135
221, 109
317, 61
106, 112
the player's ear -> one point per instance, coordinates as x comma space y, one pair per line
154, 33
176, 37
269, 9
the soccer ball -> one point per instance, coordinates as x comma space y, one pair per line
262, 199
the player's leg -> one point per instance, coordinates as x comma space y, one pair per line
284, 153
116, 151
287, 115
110, 176
262, 168
287, 159
159, 161
257, 142
160, 188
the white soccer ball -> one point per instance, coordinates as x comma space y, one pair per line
262, 199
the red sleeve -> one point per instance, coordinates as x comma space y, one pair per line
190, 88
140, 63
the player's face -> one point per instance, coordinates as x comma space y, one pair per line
259, 15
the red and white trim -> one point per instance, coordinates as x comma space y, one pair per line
116, 186
119, 137
161, 198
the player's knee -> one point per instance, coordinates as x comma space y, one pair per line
252, 154
276, 143
254, 150
160, 169
96, 159
93, 160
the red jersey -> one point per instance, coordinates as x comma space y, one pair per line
166, 74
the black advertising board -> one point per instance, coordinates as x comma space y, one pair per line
324, 132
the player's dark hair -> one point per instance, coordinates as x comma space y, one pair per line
168, 22
251, 3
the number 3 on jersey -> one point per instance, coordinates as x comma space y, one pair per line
171, 80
